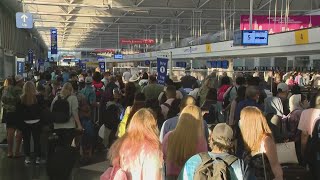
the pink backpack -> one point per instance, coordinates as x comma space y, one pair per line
114, 173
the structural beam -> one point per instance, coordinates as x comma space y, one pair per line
135, 8
112, 16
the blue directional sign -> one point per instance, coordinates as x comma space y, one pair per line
30, 56
54, 41
102, 66
162, 65
24, 20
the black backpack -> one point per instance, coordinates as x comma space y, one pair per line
174, 108
61, 110
212, 116
314, 143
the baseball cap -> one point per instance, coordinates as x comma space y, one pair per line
222, 134
88, 80
282, 87
18, 78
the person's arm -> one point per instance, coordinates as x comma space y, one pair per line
304, 141
162, 131
231, 120
270, 150
74, 111
227, 92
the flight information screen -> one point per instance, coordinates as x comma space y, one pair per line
255, 37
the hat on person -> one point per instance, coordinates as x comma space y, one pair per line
282, 87
222, 134
88, 80
134, 78
18, 78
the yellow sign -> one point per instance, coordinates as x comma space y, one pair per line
208, 48
302, 36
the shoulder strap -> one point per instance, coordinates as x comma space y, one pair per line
166, 104
205, 157
229, 159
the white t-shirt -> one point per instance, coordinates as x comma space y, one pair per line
308, 120
126, 76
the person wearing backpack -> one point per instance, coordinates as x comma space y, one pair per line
64, 108
186, 140
167, 107
309, 127
219, 164
98, 85
10, 98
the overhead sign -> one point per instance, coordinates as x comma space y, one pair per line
118, 56
302, 36
20, 62
101, 58
278, 24
181, 64
24, 20
255, 37
54, 41
102, 66
30, 56
137, 41
162, 66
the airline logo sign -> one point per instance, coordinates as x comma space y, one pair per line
24, 20
302, 36
137, 41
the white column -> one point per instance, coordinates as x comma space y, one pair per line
251, 13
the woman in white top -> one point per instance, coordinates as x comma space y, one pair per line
138, 152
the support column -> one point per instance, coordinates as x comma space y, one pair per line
251, 13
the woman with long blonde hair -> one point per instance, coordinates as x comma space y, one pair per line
185, 141
66, 131
29, 111
259, 143
138, 151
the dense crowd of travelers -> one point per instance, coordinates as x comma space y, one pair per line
249, 126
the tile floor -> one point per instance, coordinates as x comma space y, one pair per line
15, 169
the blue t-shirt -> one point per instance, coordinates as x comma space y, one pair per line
189, 169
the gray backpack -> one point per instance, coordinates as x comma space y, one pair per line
214, 168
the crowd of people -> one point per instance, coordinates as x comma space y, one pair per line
221, 128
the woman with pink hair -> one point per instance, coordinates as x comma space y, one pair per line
138, 152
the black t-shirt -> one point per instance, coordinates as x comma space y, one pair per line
188, 81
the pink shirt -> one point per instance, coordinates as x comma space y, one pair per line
171, 168
308, 119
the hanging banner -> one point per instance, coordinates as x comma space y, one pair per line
162, 67
20, 67
54, 41
30, 56
102, 66
276, 24
83, 66
137, 41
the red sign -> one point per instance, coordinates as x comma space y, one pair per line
137, 41
276, 24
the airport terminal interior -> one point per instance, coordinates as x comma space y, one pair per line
53, 42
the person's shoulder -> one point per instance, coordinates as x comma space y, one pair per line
195, 159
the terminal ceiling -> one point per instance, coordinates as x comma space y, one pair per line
97, 23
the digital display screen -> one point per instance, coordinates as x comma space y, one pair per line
255, 37
118, 56
219, 64
225, 64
